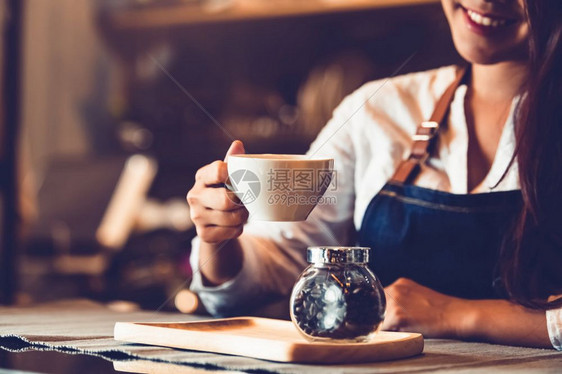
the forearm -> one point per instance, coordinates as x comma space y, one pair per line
264, 272
503, 322
217, 268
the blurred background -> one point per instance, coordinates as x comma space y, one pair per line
108, 108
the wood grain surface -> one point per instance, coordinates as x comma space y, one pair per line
267, 339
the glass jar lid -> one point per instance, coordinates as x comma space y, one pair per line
338, 255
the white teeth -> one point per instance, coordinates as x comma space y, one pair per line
485, 21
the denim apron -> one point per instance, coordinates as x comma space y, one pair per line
447, 242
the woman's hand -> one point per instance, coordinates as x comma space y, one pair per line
415, 308
216, 212
218, 217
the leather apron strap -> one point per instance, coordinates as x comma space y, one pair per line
425, 135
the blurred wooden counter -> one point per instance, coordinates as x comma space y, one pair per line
191, 14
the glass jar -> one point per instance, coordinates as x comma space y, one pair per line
338, 297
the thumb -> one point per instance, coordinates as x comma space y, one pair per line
236, 148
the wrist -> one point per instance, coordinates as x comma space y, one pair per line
464, 318
219, 263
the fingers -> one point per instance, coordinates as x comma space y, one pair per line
212, 174
236, 148
218, 199
232, 218
207, 203
401, 287
397, 316
217, 172
214, 225
398, 291
210, 217
216, 212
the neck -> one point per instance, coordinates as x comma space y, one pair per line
497, 83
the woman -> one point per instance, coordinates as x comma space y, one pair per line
467, 241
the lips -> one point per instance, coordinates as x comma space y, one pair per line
486, 23
485, 20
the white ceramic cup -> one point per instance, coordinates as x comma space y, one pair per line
279, 187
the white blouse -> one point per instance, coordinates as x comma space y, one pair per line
368, 136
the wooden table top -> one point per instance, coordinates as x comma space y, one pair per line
86, 328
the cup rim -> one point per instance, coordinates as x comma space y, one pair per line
278, 157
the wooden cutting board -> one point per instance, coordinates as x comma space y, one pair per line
267, 339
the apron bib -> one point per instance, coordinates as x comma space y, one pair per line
443, 241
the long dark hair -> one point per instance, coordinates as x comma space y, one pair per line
531, 263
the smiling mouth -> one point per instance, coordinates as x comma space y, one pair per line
487, 20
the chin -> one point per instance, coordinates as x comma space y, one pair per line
487, 32
490, 55
487, 56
